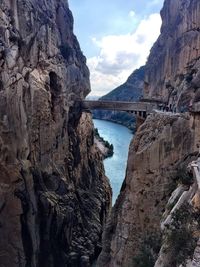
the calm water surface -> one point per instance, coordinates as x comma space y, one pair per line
115, 167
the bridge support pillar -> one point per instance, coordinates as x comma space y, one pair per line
144, 115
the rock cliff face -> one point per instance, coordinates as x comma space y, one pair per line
172, 70
161, 145
54, 196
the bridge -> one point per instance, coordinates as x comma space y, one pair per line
140, 108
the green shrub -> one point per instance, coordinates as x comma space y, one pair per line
179, 235
110, 150
183, 176
148, 251
106, 143
189, 78
96, 132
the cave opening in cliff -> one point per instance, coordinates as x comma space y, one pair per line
54, 84
55, 90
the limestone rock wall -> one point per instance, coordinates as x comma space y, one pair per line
172, 69
54, 195
160, 144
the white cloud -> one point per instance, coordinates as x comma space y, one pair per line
155, 2
121, 54
131, 13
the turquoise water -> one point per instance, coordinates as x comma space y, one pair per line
115, 167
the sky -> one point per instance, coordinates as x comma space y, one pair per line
116, 37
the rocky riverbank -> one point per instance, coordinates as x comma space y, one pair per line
106, 149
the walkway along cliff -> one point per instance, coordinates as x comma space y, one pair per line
159, 154
54, 196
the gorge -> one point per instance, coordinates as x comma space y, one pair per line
55, 199
163, 145
115, 166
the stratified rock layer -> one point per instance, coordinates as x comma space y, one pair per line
172, 70
54, 196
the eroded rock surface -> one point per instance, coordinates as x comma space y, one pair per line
54, 196
159, 145
172, 70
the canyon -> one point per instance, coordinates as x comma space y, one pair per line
162, 148
55, 200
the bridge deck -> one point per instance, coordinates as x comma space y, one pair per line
119, 105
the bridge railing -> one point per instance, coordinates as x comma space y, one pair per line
119, 105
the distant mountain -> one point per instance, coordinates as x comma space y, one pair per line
92, 97
131, 90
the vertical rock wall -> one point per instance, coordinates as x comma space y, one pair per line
172, 70
54, 196
159, 145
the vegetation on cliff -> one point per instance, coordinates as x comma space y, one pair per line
148, 250
180, 240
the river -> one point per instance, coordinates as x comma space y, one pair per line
115, 167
